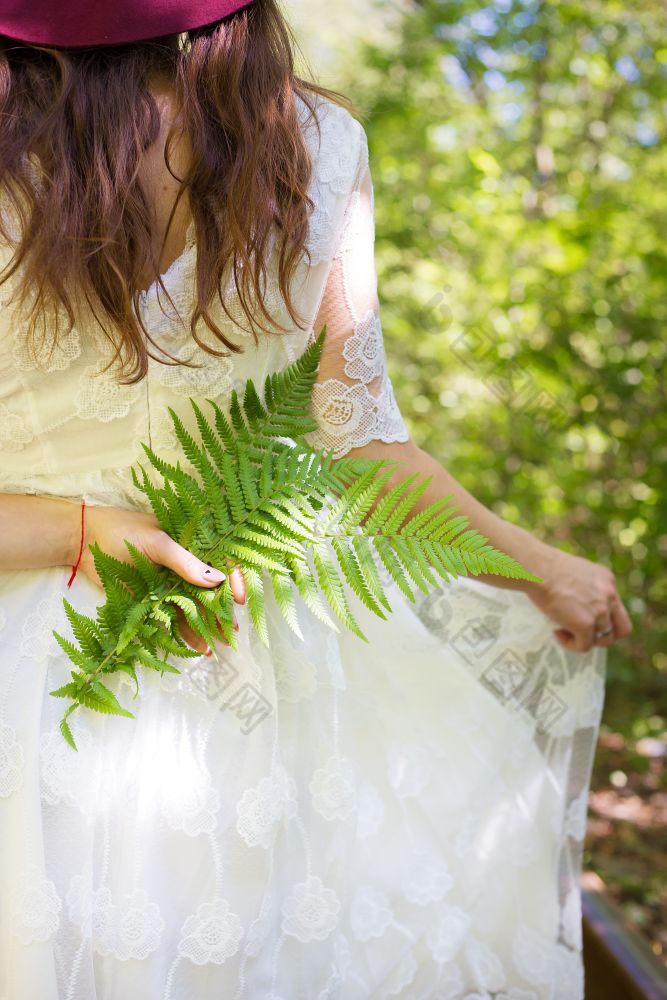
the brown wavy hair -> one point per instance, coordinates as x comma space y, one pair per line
74, 124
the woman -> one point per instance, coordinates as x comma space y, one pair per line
325, 818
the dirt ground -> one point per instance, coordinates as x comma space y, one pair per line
626, 843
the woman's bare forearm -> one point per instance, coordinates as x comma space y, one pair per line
533, 554
38, 531
45, 531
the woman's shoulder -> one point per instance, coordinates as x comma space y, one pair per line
336, 141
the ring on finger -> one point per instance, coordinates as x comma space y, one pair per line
604, 632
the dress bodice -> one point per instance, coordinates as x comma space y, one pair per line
70, 428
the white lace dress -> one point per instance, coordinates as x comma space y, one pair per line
324, 819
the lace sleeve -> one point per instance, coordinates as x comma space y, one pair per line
353, 400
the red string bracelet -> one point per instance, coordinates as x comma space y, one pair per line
76, 565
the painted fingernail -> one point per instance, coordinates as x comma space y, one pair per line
214, 575
208, 651
236, 626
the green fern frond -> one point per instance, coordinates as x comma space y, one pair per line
332, 587
75, 654
283, 592
256, 496
101, 699
65, 729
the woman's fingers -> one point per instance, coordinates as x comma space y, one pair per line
194, 640
190, 636
579, 641
583, 634
237, 585
604, 635
109, 527
162, 549
620, 619
582, 598
564, 637
578, 630
165, 551
614, 623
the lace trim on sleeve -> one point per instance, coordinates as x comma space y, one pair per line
353, 400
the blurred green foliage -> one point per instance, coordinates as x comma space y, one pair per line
520, 180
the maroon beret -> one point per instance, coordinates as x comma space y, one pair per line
80, 23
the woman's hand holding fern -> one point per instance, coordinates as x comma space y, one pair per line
579, 596
582, 598
108, 526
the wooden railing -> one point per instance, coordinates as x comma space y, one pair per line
619, 964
